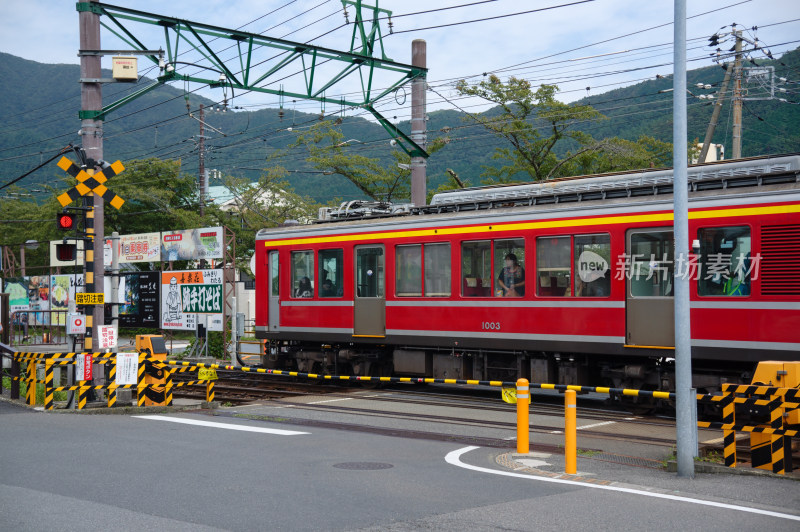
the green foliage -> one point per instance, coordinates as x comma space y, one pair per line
535, 124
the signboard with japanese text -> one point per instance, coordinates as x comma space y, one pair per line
138, 295
83, 367
127, 368
39, 299
184, 294
92, 298
192, 244
76, 324
143, 247
17, 290
107, 337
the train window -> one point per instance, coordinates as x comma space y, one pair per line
553, 266
509, 265
331, 270
476, 268
724, 261
369, 272
652, 264
302, 273
437, 270
592, 265
408, 270
273, 264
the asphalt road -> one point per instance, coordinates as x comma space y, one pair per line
118, 472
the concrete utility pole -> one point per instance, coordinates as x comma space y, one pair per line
712, 125
686, 425
419, 192
92, 141
737, 98
202, 169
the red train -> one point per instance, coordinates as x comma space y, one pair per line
567, 281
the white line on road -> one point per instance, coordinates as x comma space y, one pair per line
586, 427
244, 428
454, 458
328, 401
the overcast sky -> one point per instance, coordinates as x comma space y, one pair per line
47, 31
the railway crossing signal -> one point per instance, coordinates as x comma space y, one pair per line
65, 221
90, 182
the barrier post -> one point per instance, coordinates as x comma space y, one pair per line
140, 381
168, 387
523, 428
48, 385
112, 386
15, 374
30, 392
570, 433
209, 391
83, 391
729, 436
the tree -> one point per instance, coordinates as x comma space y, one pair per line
325, 149
539, 127
269, 202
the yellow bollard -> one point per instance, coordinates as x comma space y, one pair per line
523, 399
570, 433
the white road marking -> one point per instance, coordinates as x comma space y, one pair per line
585, 427
229, 426
454, 458
328, 401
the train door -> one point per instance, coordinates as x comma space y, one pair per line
274, 285
370, 300
649, 307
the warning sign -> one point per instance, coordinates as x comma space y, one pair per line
108, 337
83, 367
510, 395
91, 298
204, 374
127, 368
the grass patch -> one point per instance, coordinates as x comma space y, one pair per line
587, 453
23, 390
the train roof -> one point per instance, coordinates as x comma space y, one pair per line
605, 189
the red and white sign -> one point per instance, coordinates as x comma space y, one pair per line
76, 324
83, 369
108, 337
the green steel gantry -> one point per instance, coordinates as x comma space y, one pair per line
255, 76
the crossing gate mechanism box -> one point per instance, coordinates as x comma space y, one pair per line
124, 68
155, 378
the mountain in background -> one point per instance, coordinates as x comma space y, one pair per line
39, 115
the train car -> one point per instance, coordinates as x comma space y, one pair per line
569, 281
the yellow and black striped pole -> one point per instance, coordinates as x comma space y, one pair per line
140, 380
729, 436
112, 388
48, 385
209, 391
168, 387
89, 279
83, 390
30, 392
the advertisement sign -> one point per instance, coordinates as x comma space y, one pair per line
138, 293
108, 336
39, 299
184, 294
62, 291
78, 254
17, 290
192, 244
144, 247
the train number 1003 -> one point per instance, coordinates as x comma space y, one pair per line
490, 325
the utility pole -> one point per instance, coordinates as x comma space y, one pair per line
202, 168
419, 193
737, 98
712, 125
92, 141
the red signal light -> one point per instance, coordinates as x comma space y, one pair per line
65, 221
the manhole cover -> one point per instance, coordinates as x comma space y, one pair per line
363, 466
